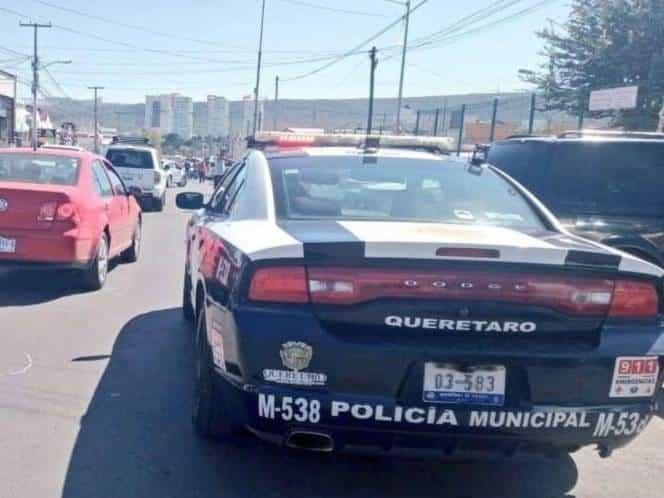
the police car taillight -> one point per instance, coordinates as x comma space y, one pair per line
279, 285
572, 295
349, 286
632, 299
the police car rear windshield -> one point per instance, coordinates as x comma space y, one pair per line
397, 189
130, 158
47, 170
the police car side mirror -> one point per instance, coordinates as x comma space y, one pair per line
189, 200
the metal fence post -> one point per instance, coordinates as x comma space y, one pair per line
417, 123
531, 118
494, 111
460, 138
435, 123
582, 108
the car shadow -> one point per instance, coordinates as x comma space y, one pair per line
24, 288
136, 440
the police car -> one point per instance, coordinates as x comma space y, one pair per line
380, 296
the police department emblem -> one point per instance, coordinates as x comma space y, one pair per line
296, 355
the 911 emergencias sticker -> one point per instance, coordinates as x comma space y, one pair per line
634, 376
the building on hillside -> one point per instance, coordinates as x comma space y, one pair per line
248, 115
183, 116
200, 119
170, 113
218, 116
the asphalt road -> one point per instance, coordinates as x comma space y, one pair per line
95, 396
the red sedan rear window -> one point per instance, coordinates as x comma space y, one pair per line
29, 168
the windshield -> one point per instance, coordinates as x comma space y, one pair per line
129, 158
27, 168
599, 177
397, 189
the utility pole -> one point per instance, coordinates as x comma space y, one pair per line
494, 112
35, 80
96, 126
460, 137
276, 103
582, 108
404, 49
374, 63
258, 68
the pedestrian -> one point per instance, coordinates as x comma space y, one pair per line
201, 171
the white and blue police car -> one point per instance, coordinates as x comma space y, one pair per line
381, 296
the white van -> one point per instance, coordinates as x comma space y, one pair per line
140, 169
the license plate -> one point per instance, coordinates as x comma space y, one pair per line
7, 245
480, 385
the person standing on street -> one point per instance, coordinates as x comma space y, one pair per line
201, 171
218, 170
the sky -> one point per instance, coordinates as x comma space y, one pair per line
201, 47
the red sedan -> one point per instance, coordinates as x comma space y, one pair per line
65, 209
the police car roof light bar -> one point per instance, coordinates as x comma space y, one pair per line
267, 139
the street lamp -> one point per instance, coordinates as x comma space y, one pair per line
52, 63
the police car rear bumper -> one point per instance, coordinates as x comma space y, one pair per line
375, 425
558, 395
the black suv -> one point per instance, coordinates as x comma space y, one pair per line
604, 186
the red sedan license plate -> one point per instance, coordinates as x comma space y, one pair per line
7, 245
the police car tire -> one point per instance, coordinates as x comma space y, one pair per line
158, 204
187, 305
209, 416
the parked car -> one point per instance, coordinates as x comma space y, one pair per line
439, 308
140, 168
604, 186
65, 209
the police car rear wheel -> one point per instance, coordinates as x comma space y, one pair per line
187, 305
209, 412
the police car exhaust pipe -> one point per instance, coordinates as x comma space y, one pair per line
310, 440
604, 451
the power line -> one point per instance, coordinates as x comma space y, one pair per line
468, 19
333, 9
354, 50
165, 51
503, 20
109, 40
142, 29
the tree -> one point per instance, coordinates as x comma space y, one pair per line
605, 44
172, 141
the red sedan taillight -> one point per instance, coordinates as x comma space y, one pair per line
52, 211
349, 286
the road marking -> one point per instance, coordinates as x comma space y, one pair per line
20, 371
